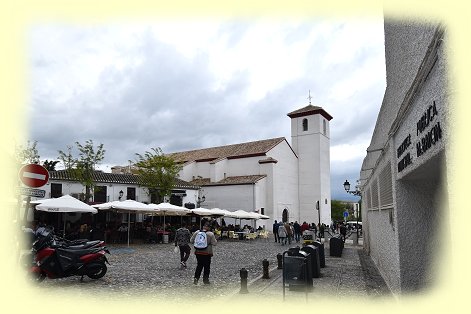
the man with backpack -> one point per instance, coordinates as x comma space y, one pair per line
203, 241
182, 239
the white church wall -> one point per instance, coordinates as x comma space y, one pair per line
268, 169
243, 166
230, 197
202, 169
218, 170
285, 181
188, 172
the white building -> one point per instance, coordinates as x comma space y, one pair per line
283, 181
269, 176
404, 175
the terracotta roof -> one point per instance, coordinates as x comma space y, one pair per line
236, 180
106, 177
257, 148
309, 110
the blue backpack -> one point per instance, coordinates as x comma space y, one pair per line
201, 240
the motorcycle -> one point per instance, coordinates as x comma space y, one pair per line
57, 261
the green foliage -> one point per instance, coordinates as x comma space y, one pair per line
27, 154
83, 167
67, 159
50, 165
337, 209
157, 172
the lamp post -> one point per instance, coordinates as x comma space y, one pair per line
357, 192
319, 216
201, 198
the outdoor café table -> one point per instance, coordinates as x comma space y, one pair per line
241, 234
160, 234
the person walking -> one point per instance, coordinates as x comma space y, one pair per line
182, 240
282, 234
321, 232
297, 231
203, 241
289, 232
343, 232
275, 231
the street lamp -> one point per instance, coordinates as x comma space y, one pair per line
357, 192
120, 194
201, 198
319, 215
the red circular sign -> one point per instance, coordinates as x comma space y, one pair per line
33, 175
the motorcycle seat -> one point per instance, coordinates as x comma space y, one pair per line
85, 245
79, 252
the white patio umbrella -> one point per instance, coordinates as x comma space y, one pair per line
208, 212
169, 209
127, 206
65, 204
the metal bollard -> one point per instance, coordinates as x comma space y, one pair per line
243, 281
265, 264
279, 257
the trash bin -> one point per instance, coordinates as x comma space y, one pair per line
296, 252
320, 246
296, 273
315, 262
308, 237
165, 238
336, 245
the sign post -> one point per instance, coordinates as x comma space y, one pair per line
345, 215
33, 176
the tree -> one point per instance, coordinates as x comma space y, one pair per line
28, 154
157, 172
82, 168
68, 159
337, 209
50, 165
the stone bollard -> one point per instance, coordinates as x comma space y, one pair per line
265, 264
279, 257
243, 281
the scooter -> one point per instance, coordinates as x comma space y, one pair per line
54, 261
76, 244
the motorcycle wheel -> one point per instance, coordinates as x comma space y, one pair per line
36, 277
98, 272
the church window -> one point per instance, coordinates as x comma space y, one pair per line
304, 124
324, 124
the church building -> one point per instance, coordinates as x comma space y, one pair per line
287, 182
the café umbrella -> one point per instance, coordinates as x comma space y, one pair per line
127, 206
168, 209
65, 204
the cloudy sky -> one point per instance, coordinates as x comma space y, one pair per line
188, 84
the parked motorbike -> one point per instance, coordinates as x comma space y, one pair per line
53, 260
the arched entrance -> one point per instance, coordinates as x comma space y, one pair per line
285, 215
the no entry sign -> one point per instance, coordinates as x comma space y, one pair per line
33, 175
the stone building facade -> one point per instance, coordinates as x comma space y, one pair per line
404, 174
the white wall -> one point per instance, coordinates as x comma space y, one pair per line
285, 182
313, 150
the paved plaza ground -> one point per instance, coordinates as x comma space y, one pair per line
153, 271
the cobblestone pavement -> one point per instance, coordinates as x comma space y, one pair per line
153, 271
353, 275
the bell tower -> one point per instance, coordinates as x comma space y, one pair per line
310, 140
